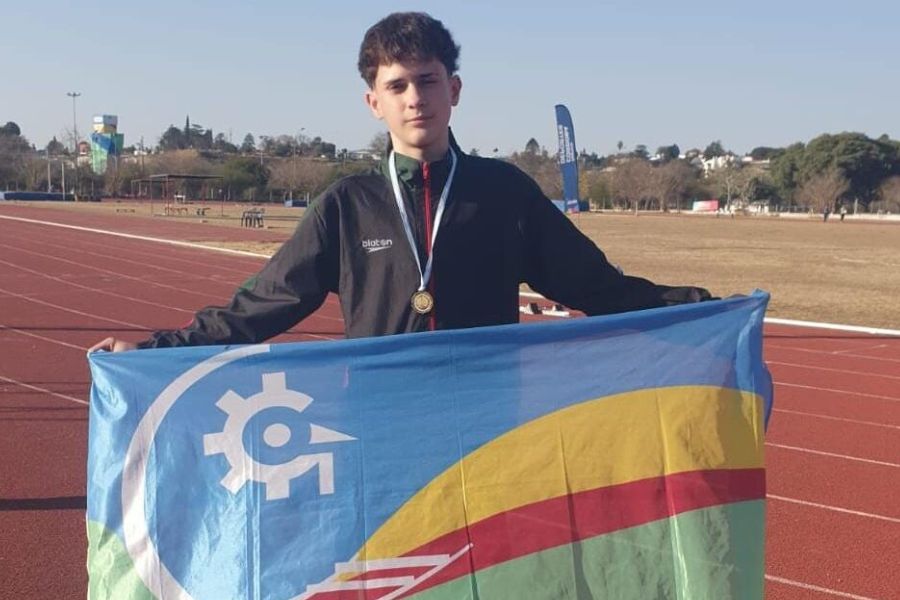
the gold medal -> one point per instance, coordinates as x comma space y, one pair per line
422, 302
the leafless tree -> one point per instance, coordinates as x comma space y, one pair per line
671, 182
731, 181
822, 191
888, 196
379, 143
541, 167
307, 176
182, 162
34, 173
631, 181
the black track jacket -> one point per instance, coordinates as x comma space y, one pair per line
498, 230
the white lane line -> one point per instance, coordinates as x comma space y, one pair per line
834, 455
143, 238
72, 310
830, 369
834, 508
97, 290
130, 277
849, 392
834, 326
829, 352
815, 588
862, 349
83, 244
43, 390
830, 418
812, 324
41, 337
791, 322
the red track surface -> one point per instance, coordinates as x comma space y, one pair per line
833, 444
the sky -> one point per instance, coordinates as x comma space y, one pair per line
750, 74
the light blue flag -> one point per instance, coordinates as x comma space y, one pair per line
616, 456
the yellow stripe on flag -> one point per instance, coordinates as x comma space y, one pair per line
593, 444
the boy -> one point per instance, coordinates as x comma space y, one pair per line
433, 239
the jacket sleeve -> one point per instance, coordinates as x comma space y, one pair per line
291, 286
566, 266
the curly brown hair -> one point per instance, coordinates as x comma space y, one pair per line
406, 36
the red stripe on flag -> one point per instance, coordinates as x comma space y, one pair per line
568, 519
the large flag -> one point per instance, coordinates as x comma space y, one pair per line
609, 457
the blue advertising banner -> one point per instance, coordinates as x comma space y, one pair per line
568, 157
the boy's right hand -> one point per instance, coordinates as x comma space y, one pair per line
111, 344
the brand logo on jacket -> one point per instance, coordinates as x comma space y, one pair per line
371, 246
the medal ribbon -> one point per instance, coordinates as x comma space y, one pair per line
425, 275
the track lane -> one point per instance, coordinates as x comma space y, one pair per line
854, 439
791, 474
840, 552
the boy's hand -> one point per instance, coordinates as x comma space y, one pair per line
686, 295
111, 344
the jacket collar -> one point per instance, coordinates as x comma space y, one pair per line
409, 170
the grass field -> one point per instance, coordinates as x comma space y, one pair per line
842, 272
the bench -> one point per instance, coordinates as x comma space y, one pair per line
124, 210
201, 211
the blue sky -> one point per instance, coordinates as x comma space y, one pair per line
653, 73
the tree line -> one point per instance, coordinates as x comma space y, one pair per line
830, 171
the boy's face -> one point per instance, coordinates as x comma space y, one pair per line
415, 100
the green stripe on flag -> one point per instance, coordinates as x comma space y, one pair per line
714, 553
111, 572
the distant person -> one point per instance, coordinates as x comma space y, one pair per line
825, 214
843, 212
430, 239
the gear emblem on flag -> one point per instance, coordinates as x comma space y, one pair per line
275, 477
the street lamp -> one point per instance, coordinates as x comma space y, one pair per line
73, 96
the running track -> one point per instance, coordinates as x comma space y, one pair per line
833, 445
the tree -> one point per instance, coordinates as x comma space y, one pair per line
785, 170
595, 186
248, 146
172, 139
764, 153
532, 147
888, 196
10, 128
865, 162
667, 153
244, 177
221, 144
304, 175
713, 150
822, 192
630, 182
379, 143
761, 189
731, 181
541, 167
55, 147
14, 154
640, 151
670, 183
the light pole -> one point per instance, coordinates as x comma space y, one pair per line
73, 96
